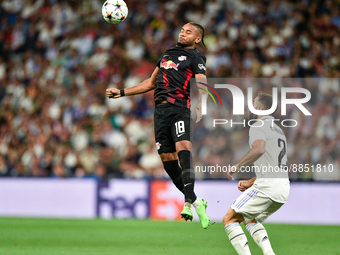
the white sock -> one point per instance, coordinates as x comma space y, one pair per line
196, 203
237, 238
260, 236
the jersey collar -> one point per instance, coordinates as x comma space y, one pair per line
267, 117
178, 46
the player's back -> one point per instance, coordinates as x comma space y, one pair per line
271, 171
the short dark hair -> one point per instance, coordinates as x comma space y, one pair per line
266, 100
200, 29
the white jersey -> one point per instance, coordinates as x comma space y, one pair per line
271, 179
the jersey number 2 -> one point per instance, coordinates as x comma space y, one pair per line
282, 152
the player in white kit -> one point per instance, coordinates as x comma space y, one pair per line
268, 191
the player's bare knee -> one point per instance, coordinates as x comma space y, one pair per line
183, 145
232, 217
225, 220
229, 217
168, 156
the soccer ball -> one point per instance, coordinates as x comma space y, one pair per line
114, 11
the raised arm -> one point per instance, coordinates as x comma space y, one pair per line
200, 78
142, 87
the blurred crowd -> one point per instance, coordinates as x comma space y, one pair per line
57, 58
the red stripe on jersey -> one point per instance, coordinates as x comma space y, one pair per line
189, 73
179, 94
165, 80
166, 86
171, 100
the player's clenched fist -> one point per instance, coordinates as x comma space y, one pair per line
113, 93
243, 185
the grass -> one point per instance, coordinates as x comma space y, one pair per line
26, 236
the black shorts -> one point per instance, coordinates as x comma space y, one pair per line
172, 124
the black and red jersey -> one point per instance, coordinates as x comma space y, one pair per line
177, 66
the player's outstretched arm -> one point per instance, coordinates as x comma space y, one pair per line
200, 78
142, 87
258, 148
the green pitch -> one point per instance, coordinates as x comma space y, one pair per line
21, 236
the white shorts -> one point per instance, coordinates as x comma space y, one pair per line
253, 204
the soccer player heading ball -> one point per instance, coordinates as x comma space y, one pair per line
171, 82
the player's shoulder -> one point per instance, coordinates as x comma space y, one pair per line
171, 49
178, 50
195, 53
270, 127
275, 128
199, 54
256, 125
260, 126
190, 53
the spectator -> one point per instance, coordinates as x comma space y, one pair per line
57, 59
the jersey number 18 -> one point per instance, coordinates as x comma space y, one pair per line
180, 128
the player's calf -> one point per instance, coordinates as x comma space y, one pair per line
175, 173
237, 238
260, 236
188, 175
